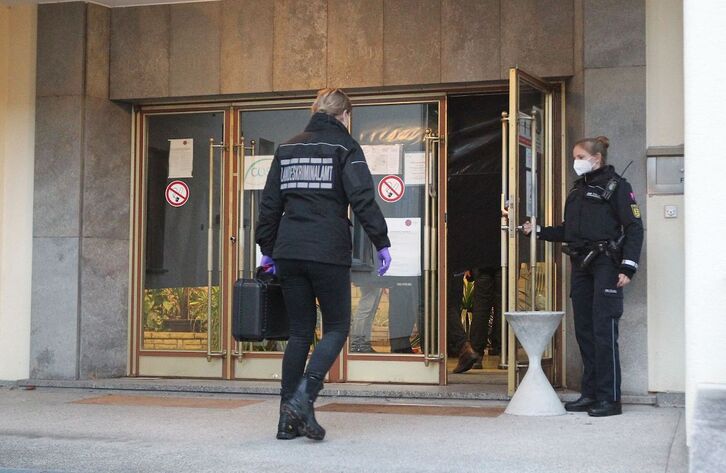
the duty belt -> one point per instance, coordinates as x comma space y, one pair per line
592, 250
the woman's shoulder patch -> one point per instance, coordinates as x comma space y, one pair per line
636, 210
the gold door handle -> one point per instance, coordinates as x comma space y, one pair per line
210, 248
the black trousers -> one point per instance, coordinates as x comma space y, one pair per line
302, 282
598, 306
485, 297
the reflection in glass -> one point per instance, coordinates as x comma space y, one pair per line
176, 293
531, 275
388, 312
263, 131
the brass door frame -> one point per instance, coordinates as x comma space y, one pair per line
232, 110
338, 372
441, 185
512, 269
138, 241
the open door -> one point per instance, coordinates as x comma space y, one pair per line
528, 265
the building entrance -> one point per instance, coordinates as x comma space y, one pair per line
433, 157
504, 165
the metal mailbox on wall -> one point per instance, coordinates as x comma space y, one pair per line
666, 171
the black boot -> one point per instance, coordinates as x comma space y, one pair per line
605, 409
581, 405
287, 428
300, 408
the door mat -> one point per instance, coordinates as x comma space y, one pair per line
412, 409
158, 401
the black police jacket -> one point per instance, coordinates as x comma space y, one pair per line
590, 218
313, 179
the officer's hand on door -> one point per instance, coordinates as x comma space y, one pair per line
623, 280
527, 228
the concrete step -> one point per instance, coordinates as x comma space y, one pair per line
483, 392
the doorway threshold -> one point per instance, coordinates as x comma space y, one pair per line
469, 392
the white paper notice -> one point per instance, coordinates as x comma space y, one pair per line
405, 236
181, 158
414, 168
256, 170
383, 159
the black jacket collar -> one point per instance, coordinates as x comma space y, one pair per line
322, 121
597, 176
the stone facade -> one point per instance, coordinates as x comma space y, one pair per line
260, 47
79, 308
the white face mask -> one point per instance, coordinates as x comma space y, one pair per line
582, 166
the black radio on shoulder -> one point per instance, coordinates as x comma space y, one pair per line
258, 309
610, 188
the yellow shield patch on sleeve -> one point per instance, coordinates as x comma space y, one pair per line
636, 210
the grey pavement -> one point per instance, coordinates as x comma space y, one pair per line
42, 431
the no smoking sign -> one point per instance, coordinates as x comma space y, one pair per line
177, 193
391, 188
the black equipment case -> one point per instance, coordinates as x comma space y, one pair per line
258, 309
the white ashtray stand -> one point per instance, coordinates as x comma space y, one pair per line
535, 396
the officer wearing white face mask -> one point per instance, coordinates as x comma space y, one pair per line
603, 234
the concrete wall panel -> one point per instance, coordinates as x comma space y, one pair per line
194, 49
537, 35
57, 166
470, 47
107, 167
61, 33
104, 308
615, 107
355, 43
98, 36
140, 52
614, 33
247, 42
300, 45
575, 117
411, 42
54, 308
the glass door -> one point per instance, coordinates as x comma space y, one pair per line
395, 325
527, 194
179, 291
198, 181
259, 130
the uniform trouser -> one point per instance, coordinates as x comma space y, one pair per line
598, 306
483, 299
302, 282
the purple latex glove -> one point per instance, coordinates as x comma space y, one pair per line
268, 264
384, 260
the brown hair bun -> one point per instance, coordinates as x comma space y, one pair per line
604, 141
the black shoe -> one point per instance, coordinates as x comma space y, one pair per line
467, 358
605, 409
300, 408
405, 350
287, 428
581, 405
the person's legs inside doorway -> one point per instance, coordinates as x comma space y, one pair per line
473, 239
